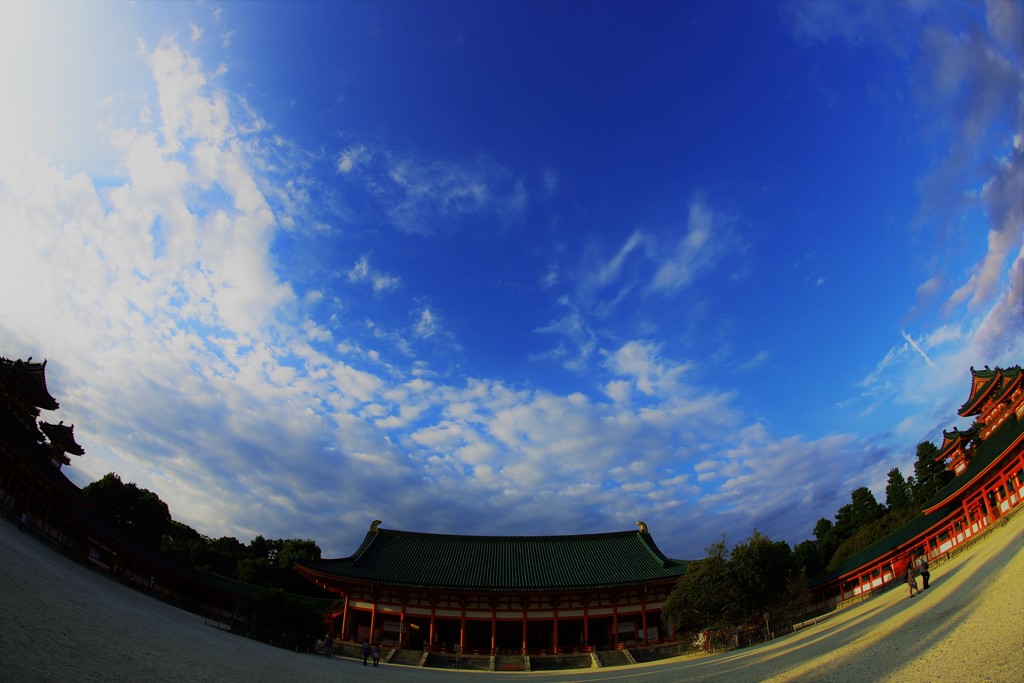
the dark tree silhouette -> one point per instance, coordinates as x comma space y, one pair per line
135, 509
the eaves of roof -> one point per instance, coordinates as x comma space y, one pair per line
997, 380
503, 563
30, 379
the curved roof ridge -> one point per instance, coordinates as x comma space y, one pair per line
508, 537
29, 377
983, 384
509, 563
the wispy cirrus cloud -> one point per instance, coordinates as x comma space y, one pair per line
706, 240
433, 196
642, 265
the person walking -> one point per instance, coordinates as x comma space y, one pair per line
911, 580
925, 574
376, 654
366, 650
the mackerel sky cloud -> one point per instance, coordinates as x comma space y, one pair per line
510, 268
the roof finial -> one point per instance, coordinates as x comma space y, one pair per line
643, 527
376, 523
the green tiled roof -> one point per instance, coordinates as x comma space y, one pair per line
997, 380
957, 437
504, 563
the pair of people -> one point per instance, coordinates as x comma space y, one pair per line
368, 650
912, 580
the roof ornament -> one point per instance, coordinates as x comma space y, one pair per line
643, 527
376, 523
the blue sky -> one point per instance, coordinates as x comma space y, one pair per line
510, 268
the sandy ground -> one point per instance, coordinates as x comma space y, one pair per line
61, 621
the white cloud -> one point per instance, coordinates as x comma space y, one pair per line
650, 374
759, 359
381, 282
1003, 195
429, 196
706, 240
574, 327
610, 271
426, 325
550, 182
351, 157
916, 347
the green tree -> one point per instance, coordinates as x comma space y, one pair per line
807, 557
822, 529
930, 474
255, 570
706, 596
135, 509
898, 496
295, 550
220, 556
864, 507
761, 569
261, 548
179, 541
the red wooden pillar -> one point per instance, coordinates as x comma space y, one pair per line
402, 627
586, 627
433, 621
344, 618
462, 631
615, 623
554, 634
524, 631
643, 616
494, 629
373, 622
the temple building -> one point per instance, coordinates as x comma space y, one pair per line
490, 594
987, 459
32, 451
37, 494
